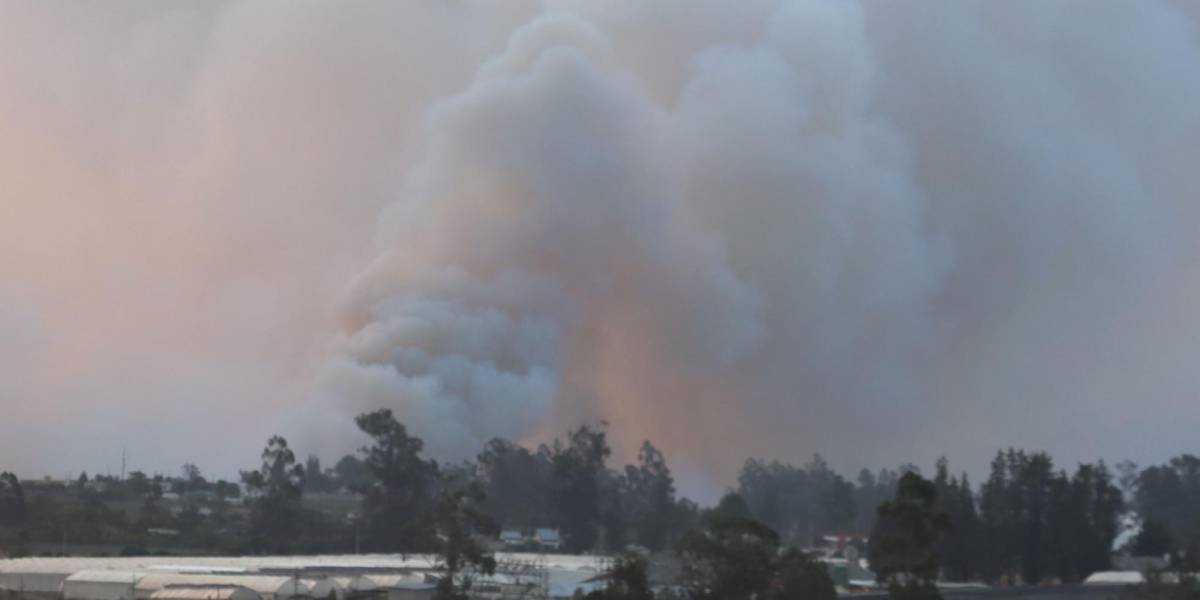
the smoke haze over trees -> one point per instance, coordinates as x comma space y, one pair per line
681, 280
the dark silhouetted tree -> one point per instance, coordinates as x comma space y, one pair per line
959, 546
649, 490
903, 545
460, 523
730, 557
575, 485
316, 479
797, 575
190, 480
800, 502
1170, 495
1152, 540
351, 473
517, 483
398, 500
12, 500
626, 580
276, 511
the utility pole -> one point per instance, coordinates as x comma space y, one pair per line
122, 463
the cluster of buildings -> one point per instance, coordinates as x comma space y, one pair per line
839, 552
357, 577
540, 538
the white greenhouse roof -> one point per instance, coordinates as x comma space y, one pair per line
323, 586
1114, 578
206, 593
265, 585
47, 574
66, 566
104, 576
394, 580
359, 583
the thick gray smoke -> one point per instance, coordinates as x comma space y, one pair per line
881, 231
786, 228
548, 220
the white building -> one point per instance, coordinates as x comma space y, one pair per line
267, 586
548, 538
100, 584
359, 577
512, 537
387, 581
356, 586
411, 590
324, 588
234, 592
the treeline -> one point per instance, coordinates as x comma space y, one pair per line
1167, 498
1029, 520
42, 516
805, 502
566, 485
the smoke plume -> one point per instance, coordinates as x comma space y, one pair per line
881, 231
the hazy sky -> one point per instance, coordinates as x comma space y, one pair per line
882, 231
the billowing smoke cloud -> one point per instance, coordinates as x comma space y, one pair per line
882, 231
548, 216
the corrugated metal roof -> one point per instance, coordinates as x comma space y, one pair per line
414, 585
547, 535
198, 569
48, 574
66, 566
265, 585
100, 584
395, 579
103, 576
322, 587
32, 582
205, 593
360, 583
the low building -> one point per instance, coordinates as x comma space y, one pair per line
412, 589
325, 588
357, 586
547, 538
386, 581
198, 569
512, 537
235, 592
267, 586
404, 586
1115, 578
35, 577
100, 584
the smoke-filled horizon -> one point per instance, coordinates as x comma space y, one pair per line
879, 231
